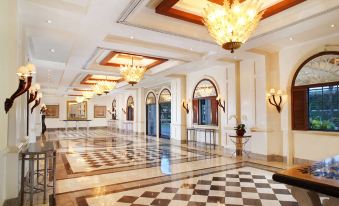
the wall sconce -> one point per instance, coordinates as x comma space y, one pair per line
25, 80
124, 111
33, 93
185, 105
272, 98
37, 101
220, 101
43, 108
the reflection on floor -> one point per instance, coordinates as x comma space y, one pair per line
110, 168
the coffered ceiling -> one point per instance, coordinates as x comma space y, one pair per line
69, 40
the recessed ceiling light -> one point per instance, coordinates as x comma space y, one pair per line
49, 21
52, 50
191, 49
131, 37
332, 25
291, 38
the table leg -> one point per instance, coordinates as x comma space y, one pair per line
239, 147
214, 139
210, 134
45, 179
54, 174
305, 197
31, 179
22, 189
205, 139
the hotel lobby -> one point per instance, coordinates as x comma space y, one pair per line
169, 102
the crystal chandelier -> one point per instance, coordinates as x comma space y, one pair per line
107, 86
132, 73
79, 99
87, 94
98, 90
232, 24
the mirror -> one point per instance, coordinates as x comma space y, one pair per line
76, 111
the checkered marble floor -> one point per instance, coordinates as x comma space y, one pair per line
244, 186
125, 156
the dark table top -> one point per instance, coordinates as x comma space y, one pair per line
39, 148
244, 136
322, 176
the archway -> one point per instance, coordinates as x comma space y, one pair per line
165, 114
151, 115
130, 109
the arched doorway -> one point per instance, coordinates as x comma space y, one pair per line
165, 114
114, 112
151, 115
130, 109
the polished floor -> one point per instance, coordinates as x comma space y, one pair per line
110, 168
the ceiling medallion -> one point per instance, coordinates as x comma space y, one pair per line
132, 73
232, 24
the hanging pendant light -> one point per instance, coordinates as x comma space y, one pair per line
98, 90
107, 86
232, 24
132, 73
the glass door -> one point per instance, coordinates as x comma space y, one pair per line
151, 119
165, 120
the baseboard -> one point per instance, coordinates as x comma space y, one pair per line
302, 161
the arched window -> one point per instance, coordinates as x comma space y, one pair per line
315, 93
165, 114
151, 114
114, 106
205, 105
130, 109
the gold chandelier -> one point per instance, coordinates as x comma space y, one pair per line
107, 86
98, 90
232, 24
132, 73
87, 94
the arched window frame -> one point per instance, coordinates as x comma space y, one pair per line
196, 105
300, 96
130, 109
162, 91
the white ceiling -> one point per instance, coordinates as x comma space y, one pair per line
79, 28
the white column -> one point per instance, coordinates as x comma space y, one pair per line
141, 111
178, 116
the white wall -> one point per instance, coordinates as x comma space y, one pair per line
225, 81
304, 145
62, 101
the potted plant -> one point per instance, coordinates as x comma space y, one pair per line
240, 129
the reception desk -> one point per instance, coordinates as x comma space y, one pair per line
309, 180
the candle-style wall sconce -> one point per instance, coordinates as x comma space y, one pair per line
124, 111
25, 80
43, 108
33, 93
37, 101
221, 102
185, 105
275, 98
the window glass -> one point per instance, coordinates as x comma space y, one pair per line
324, 108
205, 111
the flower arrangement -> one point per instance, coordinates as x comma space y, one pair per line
240, 129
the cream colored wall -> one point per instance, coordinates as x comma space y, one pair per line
224, 78
61, 101
304, 145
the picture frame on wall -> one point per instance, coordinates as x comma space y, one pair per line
99, 111
52, 111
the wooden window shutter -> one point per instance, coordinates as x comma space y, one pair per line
300, 109
195, 104
214, 104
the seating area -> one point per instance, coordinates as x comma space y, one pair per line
169, 103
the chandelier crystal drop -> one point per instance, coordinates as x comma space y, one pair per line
132, 73
232, 24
